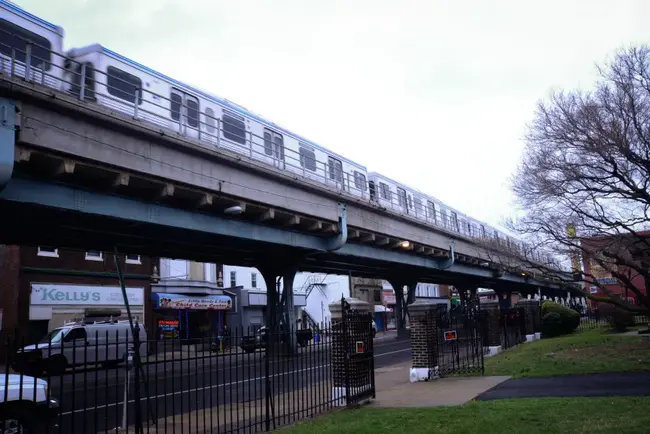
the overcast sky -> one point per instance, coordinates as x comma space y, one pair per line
435, 94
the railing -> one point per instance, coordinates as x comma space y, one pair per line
226, 384
186, 119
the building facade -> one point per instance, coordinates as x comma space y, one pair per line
45, 287
245, 286
601, 270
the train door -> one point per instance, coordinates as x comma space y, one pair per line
185, 112
401, 199
335, 172
274, 147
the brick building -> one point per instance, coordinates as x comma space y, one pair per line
598, 264
43, 287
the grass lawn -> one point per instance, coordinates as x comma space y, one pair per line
529, 416
584, 352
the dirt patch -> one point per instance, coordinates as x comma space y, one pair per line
620, 348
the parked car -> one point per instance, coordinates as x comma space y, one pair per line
259, 340
25, 406
79, 343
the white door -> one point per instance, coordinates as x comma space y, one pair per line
185, 114
76, 347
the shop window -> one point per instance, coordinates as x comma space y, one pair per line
377, 295
133, 259
48, 251
94, 255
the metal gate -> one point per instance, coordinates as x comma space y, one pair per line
459, 339
359, 354
513, 324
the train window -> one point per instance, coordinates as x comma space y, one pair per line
307, 158
13, 37
360, 181
401, 197
431, 210
384, 191
209, 120
234, 127
192, 111
454, 221
176, 104
123, 85
335, 169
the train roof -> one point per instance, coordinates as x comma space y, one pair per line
20, 11
219, 100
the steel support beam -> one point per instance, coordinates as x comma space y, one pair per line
402, 302
7, 140
26, 193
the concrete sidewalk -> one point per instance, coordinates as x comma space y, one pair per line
395, 390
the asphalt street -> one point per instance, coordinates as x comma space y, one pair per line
93, 401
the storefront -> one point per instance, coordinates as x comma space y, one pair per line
388, 315
190, 316
52, 305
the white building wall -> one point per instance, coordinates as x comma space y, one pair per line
421, 290
174, 268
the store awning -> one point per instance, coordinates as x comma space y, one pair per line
380, 308
189, 302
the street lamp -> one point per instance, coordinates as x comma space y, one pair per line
234, 210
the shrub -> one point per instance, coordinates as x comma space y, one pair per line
566, 322
618, 318
551, 325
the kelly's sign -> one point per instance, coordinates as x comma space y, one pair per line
46, 294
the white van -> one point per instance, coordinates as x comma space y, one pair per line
80, 343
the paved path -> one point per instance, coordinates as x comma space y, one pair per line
588, 385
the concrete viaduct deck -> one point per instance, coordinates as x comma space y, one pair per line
84, 176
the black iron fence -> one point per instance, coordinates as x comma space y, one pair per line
459, 340
513, 325
90, 379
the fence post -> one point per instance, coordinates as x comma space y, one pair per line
424, 341
492, 327
136, 349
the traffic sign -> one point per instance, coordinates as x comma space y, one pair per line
451, 335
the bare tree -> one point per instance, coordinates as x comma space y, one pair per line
583, 183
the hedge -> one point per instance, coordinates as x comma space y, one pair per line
558, 319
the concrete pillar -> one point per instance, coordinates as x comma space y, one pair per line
344, 341
533, 320
424, 341
491, 326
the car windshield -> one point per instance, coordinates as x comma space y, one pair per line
55, 336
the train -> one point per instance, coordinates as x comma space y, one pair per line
33, 48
